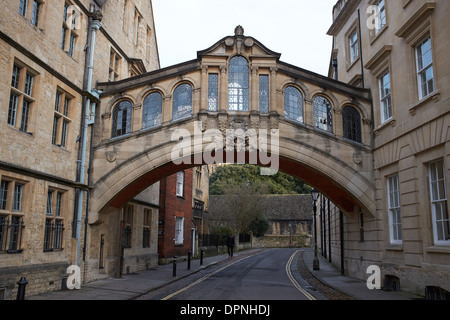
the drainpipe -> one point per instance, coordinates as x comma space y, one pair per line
361, 49
96, 25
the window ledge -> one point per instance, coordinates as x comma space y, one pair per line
394, 247
351, 64
439, 248
392, 122
375, 36
436, 95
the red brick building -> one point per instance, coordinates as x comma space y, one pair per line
175, 216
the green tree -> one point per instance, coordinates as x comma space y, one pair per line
259, 226
279, 183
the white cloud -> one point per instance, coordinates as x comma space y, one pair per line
295, 28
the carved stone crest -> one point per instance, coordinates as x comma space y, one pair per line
111, 156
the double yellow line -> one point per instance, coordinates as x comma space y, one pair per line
293, 280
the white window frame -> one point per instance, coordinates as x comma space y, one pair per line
386, 109
438, 198
423, 71
353, 45
381, 15
179, 230
395, 218
180, 184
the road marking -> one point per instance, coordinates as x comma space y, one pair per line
206, 277
293, 280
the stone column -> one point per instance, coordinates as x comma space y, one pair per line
273, 91
223, 95
254, 105
204, 88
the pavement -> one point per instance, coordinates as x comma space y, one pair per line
132, 286
357, 289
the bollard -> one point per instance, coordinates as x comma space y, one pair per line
189, 260
174, 273
201, 256
21, 290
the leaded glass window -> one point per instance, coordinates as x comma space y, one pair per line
238, 84
293, 104
152, 110
322, 114
182, 102
352, 124
264, 93
122, 119
213, 92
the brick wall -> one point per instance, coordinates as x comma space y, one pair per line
172, 206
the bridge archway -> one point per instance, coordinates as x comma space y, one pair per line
343, 179
340, 168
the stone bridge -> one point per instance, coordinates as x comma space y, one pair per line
308, 125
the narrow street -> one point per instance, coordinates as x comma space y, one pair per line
263, 276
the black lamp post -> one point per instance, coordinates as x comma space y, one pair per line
315, 196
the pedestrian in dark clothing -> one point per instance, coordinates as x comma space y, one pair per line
230, 246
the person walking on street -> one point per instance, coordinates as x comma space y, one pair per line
230, 246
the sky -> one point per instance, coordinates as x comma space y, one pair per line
295, 28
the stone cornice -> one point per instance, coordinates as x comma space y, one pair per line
343, 17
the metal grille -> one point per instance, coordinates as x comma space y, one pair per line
4, 224
53, 235
11, 234
146, 237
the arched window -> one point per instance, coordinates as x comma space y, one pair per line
352, 124
152, 110
121, 123
323, 118
182, 102
293, 104
238, 84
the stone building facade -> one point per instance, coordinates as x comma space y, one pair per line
47, 100
399, 50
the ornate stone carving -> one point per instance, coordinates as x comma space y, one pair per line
239, 31
229, 41
358, 158
111, 156
248, 42
222, 122
238, 123
274, 121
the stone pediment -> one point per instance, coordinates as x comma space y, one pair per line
239, 44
